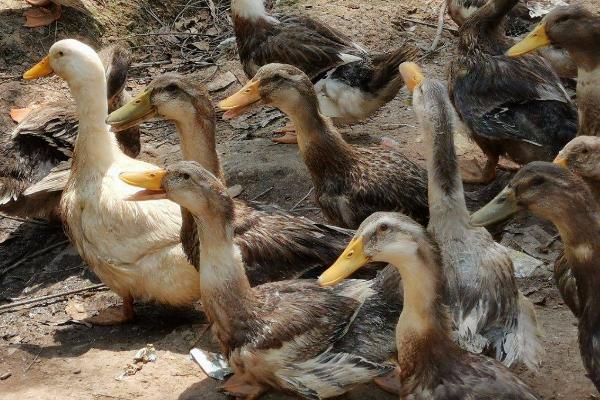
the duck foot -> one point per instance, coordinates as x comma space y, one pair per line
238, 388
289, 135
114, 315
42, 16
472, 172
390, 382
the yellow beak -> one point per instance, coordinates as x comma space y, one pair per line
136, 111
536, 39
563, 162
40, 69
149, 180
239, 102
412, 75
349, 262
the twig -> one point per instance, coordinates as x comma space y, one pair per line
29, 257
416, 21
16, 304
302, 199
32, 361
440, 26
150, 64
261, 194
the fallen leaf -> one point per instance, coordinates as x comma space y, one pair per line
221, 82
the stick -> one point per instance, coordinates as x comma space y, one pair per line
16, 304
262, 194
440, 26
416, 21
302, 199
37, 253
32, 361
150, 64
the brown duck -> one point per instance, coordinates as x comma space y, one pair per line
292, 336
556, 194
350, 182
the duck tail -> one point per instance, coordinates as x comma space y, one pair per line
525, 345
386, 76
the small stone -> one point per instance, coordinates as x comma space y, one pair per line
5, 376
77, 372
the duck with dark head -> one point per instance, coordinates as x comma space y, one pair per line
554, 193
350, 182
512, 107
293, 336
431, 365
577, 30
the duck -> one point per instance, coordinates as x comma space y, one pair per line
36, 156
519, 23
582, 157
489, 313
577, 30
351, 82
350, 182
274, 243
292, 336
553, 193
511, 107
431, 366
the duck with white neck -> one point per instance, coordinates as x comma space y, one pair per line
134, 248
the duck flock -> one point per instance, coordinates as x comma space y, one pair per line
436, 312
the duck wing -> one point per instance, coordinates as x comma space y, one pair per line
300, 41
513, 98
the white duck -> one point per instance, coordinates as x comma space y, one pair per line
133, 247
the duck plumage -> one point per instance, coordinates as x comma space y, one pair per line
513, 107
351, 83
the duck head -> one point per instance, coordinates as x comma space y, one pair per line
278, 85
383, 237
70, 59
569, 27
170, 96
186, 183
581, 156
547, 190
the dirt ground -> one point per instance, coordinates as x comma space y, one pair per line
48, 353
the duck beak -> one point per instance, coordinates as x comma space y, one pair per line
536, 39
138, 110
563, 162
412, 75
40, 69
151, 181
351, 260
500, 208
238, 103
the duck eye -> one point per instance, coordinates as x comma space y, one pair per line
60, 53
384, 228
185, 176
171, 87
537, 181
584, 150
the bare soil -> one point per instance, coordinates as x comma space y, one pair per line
46, 353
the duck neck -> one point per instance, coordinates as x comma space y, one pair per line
588, 97
423, 327
248, 9
445, 188
197, 135
95, 146
485, 28
226, 292
323, 149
